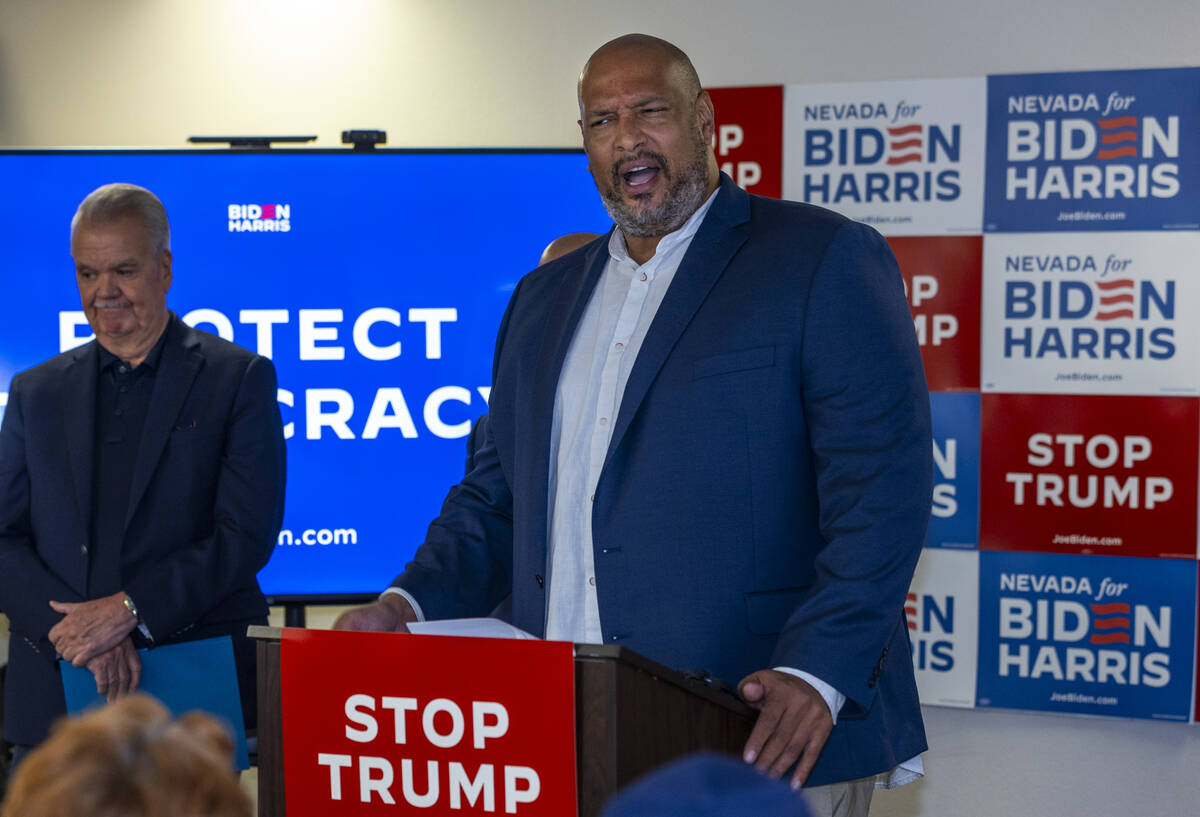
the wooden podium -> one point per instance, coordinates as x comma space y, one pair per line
631, 715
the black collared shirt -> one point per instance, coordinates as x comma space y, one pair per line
122, 402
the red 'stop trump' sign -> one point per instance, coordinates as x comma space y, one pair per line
1109, 474
447, 725
748, 136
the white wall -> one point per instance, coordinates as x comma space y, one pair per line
501, 73
996, 763
498, 73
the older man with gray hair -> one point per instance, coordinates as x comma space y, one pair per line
141, 479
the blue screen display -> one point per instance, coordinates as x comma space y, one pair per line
374, 281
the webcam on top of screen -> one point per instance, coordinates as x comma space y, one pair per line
364, 139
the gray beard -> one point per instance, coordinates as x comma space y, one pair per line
684, 197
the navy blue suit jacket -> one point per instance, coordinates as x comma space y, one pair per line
765, 494
205, 506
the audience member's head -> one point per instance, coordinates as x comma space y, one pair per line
130, 759
565, 244
706, 785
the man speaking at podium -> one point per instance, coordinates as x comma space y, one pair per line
708, 440
141, 479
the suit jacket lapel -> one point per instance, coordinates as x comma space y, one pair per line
709, 253
177, 370
79, 424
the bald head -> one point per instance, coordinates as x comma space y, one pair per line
670, 59
647, 128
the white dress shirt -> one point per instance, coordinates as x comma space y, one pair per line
590, 387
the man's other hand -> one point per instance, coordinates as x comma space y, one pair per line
390, 613
793, 723
90, 627
118, 671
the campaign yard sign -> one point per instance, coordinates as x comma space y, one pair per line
748, 137
1113, 475
905, 157
382, 723
942, 615
1097, 313
942, 279
1093, 150
954, 517
1094, 635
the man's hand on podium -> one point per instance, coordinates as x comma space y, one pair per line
793, 723
390, 613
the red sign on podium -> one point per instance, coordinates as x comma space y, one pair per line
445, 724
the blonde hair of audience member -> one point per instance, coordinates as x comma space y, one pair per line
130, 759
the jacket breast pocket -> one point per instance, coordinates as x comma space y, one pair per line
729, 362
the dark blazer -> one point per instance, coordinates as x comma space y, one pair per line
765, 494
205, 506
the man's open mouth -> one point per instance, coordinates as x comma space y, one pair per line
640, 175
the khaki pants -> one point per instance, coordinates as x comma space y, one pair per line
849, 799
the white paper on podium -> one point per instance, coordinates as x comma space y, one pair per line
475, 627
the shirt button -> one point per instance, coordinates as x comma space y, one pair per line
592, 498
123, 368
592, 581
603, 421
643, 276
620, 346
83, 549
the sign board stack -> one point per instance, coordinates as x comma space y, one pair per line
1048, 230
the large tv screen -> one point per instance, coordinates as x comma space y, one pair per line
375, 281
